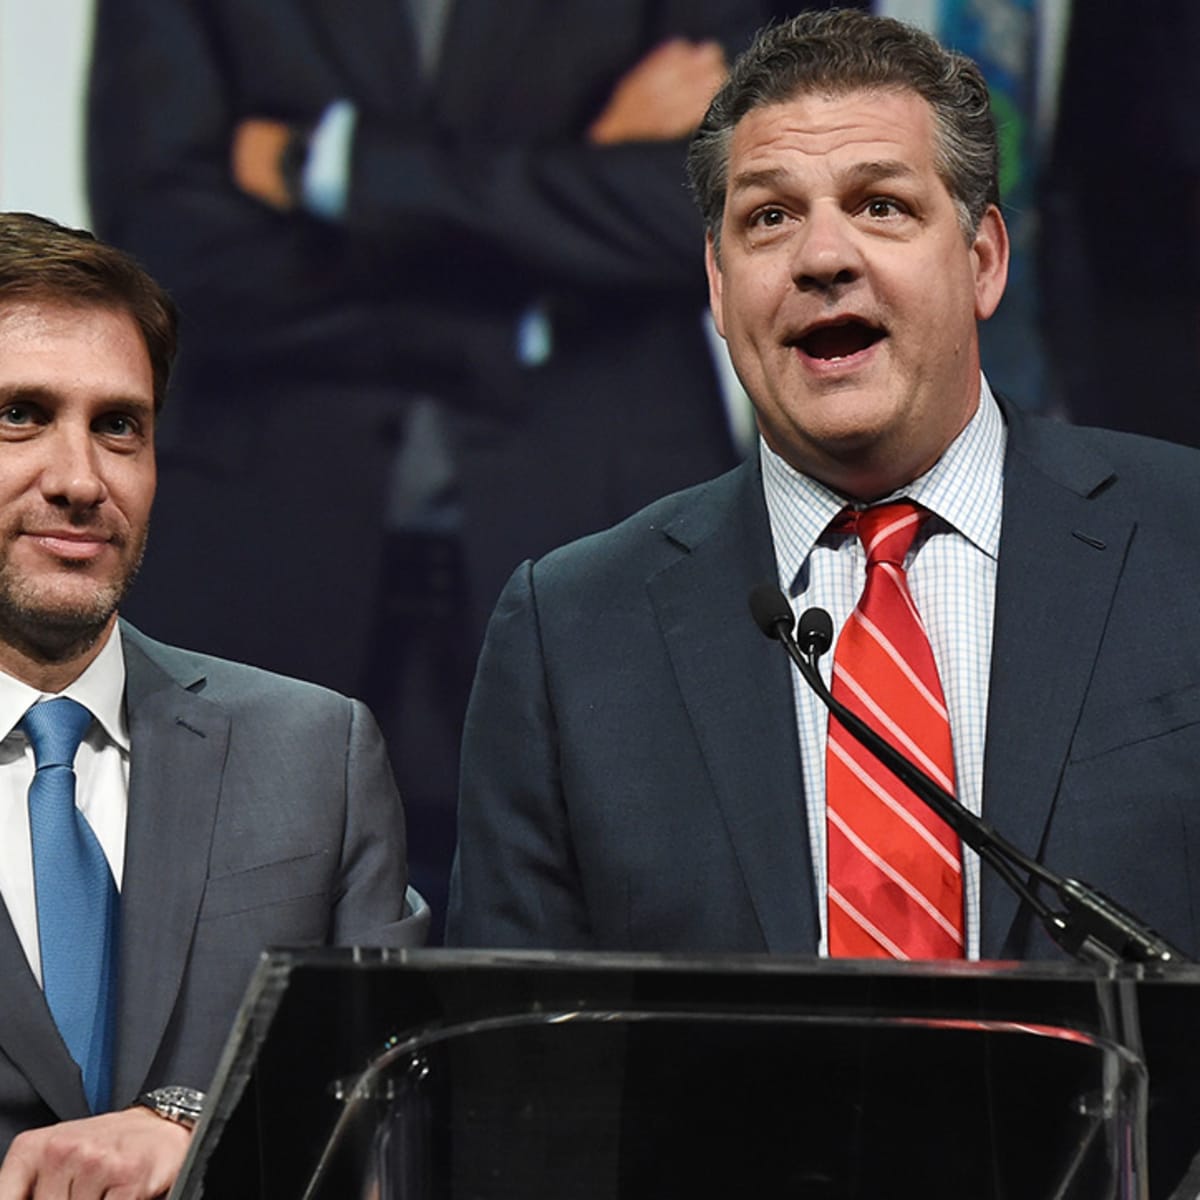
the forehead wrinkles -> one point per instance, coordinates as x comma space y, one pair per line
899, 118
886, 126
854, 175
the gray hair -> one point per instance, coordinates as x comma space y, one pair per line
843, 50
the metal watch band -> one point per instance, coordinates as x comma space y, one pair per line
183, 1105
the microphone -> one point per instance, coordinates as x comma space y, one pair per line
773, 614
1090, 927
816, 632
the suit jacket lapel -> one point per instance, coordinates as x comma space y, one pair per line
178, 745
1062, 547
736, 686
29, 1036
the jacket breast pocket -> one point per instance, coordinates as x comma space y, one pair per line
1120, 725
266, 884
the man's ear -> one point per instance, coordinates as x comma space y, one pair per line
712, 266
990, 251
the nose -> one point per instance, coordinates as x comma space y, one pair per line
72, 477
827, 252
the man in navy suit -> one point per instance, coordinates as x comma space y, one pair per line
227, 809
398, 215
503, 224
641, 767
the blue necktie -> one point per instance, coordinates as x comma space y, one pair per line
77, 902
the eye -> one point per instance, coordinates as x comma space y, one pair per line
17, 414
882, 207
116, 424
768, 218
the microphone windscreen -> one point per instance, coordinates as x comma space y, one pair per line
770, 609
816, 631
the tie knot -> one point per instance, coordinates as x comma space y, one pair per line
55, 728
886, 530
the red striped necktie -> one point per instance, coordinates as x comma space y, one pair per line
895, 868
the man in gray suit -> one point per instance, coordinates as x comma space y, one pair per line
212, 809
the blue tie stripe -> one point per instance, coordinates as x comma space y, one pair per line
77, 901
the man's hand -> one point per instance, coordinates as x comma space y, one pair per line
664, 96
258, 145
130, 1155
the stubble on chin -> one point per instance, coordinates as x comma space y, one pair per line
52, 621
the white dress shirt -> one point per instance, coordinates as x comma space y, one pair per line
952, 576
102, 787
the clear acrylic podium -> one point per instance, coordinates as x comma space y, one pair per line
452, 1075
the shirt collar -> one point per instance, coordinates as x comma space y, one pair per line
964, 488
101, 689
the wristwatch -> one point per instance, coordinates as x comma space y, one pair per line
183, 1105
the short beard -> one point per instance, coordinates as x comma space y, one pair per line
51, 633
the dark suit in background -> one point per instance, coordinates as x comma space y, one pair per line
469, 202
631, 774
1121, 219
257, 817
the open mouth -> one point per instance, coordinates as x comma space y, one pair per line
841, 339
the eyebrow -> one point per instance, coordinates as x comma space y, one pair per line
885, 168
860, 174
36, 393
24, 393
765, 178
